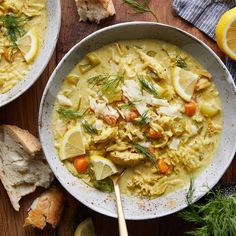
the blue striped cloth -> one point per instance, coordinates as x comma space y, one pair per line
204, 14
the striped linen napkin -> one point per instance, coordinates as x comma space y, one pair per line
204, 14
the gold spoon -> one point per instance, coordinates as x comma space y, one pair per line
121, 218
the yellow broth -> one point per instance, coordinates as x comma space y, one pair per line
28, 14
186, 143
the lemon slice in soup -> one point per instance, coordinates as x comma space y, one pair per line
85, 228
29, 45
72, 144
184, 82
102, 167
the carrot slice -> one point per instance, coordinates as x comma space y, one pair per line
110, 120
190, 108
133, 114
10, 54
152, 150
153, 134
163, 167
81, 164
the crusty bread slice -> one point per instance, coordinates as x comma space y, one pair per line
28, 141
45, 209
20, 171
95, 10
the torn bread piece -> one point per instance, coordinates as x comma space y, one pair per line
29, 143
47, 208
95, 10
22, 167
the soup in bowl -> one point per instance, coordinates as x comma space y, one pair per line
143, 105
28, 35
147, 98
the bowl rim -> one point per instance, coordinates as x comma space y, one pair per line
50, 53
52, 77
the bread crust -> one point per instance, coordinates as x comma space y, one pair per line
95, 10
47, 208
21, 172
28, 141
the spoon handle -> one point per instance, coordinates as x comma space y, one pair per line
121, 218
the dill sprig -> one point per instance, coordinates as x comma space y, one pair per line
97, 80
140, 7
148, 86
14, 25
70, 114
105, 81
180, 62
89, 128
129, 104
112, 83
215, 216
143, 120
143, 150
189, 196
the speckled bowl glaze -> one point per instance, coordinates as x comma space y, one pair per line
136, 208
45, 53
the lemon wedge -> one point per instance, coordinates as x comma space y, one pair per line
103, 167
29, 45
72, 144
85, 228
226, 33
184, 82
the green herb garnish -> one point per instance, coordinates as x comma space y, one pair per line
98, 80
189, 196
143, 150
70, 114
180, 62
105, 82
148, 86
215, 216
14, 25
104, 185
89, 128
143, 120
129, 104
112, 83
140, 7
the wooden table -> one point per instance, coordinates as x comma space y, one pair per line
24, 113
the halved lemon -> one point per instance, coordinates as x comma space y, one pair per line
29, 45
184, 82
102, 167
85, 228
226, 33
72, 144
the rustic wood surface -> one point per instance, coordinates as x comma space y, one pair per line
24, 112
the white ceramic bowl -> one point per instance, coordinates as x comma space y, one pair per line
139, 208
45, 53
